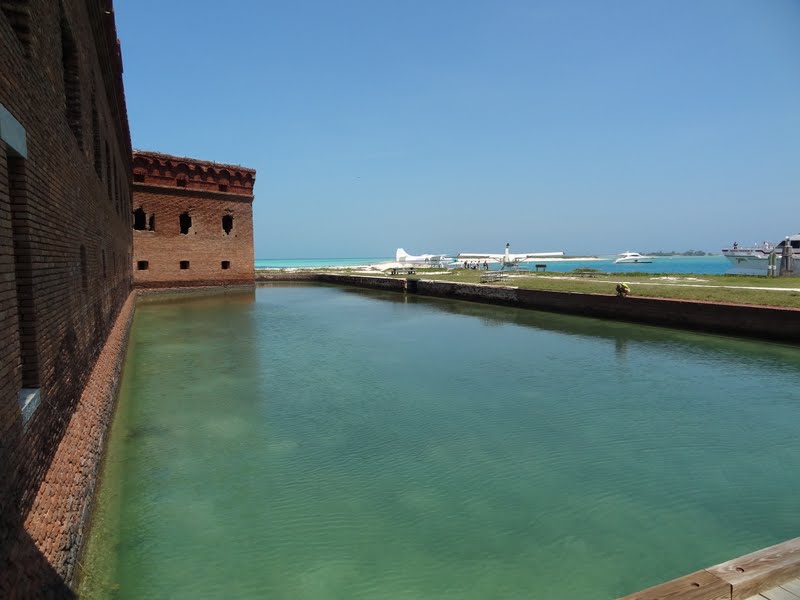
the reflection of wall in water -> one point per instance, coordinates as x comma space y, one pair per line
768, 356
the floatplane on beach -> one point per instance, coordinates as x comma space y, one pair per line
403, 260
424, 260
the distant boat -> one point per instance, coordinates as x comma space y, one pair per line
633, 257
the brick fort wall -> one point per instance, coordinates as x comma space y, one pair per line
193, 222
65, 268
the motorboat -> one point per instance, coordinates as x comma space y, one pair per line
755, 259
632, 257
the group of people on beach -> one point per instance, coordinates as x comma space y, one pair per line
476, 264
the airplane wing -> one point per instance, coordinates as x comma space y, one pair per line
402, 256
387, 266
495, 257
441, 259
535, 255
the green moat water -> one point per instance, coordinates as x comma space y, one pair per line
312, 442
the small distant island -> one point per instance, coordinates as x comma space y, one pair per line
686, 253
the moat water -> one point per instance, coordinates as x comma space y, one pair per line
313, 442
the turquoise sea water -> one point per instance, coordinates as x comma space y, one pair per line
294, 263
321, 442
706, 265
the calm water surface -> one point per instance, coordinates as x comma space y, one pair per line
323, 442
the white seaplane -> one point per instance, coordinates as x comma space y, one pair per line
424, 260
403, 261
507, 259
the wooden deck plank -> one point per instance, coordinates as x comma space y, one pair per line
778, 593
793, 586
701, 585
763, 570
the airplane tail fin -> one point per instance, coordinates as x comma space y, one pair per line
400, 255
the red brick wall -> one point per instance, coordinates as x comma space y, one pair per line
56, 522
66, 265
206, 244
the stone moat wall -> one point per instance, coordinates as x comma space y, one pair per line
781, 324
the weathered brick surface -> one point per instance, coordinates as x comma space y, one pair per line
55, 524
65, 256
208, 193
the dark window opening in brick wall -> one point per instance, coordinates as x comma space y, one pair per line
180, 182
84, 267
227, 224
72, 81
223, 187
138, 177
18, 15
96, 146
226, 264
108, 172
115, 184
184, 264
151, 223
186, 223
23, 271
139, 219
142, 265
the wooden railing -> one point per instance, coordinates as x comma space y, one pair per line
737, 579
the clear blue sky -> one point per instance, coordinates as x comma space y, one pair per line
458, 125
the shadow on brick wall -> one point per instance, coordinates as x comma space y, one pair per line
24, 571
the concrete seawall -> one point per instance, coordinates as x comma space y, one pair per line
751, 321
781, 324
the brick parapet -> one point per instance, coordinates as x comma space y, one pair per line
109, 53
191, 174
187, 194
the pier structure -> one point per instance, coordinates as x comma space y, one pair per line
192, 222
769, 574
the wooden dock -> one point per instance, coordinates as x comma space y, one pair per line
769, 574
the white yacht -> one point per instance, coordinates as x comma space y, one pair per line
633, 257
754, 260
